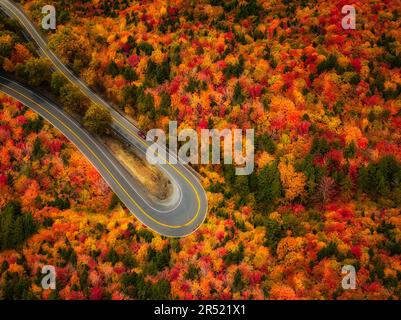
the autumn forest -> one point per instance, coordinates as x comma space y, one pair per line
325, 104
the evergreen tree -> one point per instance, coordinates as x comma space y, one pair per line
363, 179
238, 97
312, 172
269, 186
157, 74
349, 151
17, 233
15, 287
241, 186
229, 174
112, 69
15, 227
265, 143
37, 151
346, 186
165, 103
129, 74
320, 146
380, 179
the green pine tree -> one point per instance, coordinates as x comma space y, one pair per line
269, 186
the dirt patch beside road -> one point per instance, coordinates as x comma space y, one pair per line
149, 176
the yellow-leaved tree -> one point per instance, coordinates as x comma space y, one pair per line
293, 182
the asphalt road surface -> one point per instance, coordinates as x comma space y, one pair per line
175, 218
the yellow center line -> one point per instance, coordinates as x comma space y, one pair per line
103, 165
130, 132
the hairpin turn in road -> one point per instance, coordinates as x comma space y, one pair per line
177, 218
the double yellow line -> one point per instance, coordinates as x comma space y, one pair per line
131, 133
104, 166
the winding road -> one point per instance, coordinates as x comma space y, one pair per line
178, 217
